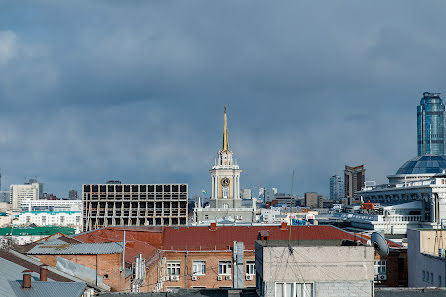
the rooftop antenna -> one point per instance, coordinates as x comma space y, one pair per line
291, 207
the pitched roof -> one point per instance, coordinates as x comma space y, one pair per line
59, 247
6, 257
45, 289
11, 268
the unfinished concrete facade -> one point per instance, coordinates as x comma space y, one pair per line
134, 205
313, 268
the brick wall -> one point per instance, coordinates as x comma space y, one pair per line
209, 280
108, 267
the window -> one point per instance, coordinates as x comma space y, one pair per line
294, 290
380, 267
62, 219
424, 275
44, 220
173, 268
199, 267
250, 268
439, 280
224, 267
432, 278
78, 219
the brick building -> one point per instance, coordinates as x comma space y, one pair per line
203, 256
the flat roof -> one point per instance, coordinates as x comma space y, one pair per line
306, 243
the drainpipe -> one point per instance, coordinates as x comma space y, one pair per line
185, 270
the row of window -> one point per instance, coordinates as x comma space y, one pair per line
428, 277
199, 268
294, 290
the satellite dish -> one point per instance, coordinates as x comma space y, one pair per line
380, 244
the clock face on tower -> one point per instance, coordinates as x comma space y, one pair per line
225, 182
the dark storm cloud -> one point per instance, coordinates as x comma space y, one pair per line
135, 90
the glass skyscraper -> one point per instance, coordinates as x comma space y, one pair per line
431, 125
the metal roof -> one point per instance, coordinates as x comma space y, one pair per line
11, 281
56, 248
45, 289
426, 164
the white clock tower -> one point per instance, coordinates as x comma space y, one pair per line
225, 175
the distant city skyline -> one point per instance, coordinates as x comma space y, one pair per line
137, 96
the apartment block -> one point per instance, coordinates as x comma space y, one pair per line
115, 204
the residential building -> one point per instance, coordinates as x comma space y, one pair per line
205, 256
431, 125
134, 205
50, 205
426, 257
354, 179
337, 187
225, 201
50, 218
313, 268
72, 194
14, 236
22, 192
313, 200
23, 276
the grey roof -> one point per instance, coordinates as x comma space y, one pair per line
424, 164
45, 289
76, 248
11, 282
410, 292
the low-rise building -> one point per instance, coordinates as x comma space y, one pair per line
313, 268
426, 257
50, 218
23, 276
51, 205
14, 236
205, 256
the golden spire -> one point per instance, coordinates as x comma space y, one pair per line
225, 134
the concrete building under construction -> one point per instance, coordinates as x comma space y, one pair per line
116, 204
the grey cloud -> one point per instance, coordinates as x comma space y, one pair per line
135, 90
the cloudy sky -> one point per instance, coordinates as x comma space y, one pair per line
134, 90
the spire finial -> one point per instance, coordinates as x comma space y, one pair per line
225, 134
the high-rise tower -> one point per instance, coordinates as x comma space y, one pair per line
431, 125
225, 175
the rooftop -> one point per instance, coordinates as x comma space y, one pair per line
60, 247
427, 164
47, 230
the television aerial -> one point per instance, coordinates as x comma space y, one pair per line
380, 244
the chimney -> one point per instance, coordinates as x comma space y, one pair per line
283, 226
213, 227
43, 273
26, 279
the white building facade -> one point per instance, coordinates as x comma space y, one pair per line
22, 192
50, 218
51, 205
